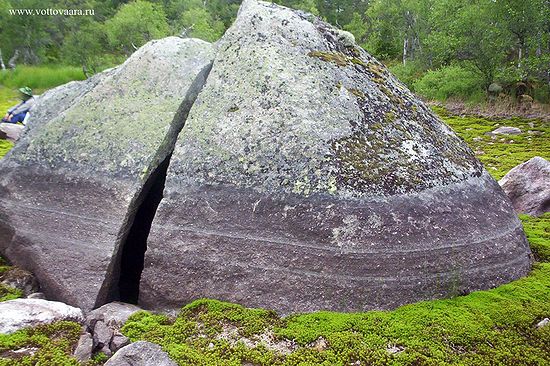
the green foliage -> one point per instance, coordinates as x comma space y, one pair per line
8, 293
408, 73
40, 77
449, 82
134, 24
53, 344
201, 24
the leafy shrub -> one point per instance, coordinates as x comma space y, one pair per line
408, 73
450, 82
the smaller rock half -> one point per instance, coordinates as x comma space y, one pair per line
141, 354
24, 313
528, 186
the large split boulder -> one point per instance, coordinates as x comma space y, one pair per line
308, 177
70, 189
528, 186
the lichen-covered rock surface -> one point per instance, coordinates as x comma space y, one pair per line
307, 177
70, 188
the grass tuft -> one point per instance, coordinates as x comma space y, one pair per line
40, 77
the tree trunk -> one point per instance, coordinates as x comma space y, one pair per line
2, 61
405, 47
11, 62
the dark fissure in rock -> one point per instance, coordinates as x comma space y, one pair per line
133, 249
124, 273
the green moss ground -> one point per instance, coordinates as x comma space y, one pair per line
501, 153
8, 98
495, 327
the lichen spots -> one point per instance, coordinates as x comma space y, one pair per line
358, 93
334, 57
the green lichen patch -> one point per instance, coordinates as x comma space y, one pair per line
358, 93
337, 58
334, 57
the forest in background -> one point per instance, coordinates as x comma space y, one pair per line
442, 49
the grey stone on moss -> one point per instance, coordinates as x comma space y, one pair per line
140, 354
309, 178
70, 188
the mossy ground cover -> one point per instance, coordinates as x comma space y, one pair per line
8, 98
501, 153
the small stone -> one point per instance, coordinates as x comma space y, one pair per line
37, 295
140, 354
84, 347
506, 130
106, 351
543, 323
320, 344
113, 314
118, 342
102, 335
11, 131
394, 349
477, 139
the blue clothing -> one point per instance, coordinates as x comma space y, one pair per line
19, 111
17, 117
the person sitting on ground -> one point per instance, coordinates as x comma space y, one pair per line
18, 112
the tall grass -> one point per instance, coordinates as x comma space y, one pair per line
40, 77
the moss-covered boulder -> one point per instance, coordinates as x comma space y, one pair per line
69, 191
308, 177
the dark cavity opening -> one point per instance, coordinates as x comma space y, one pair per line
135, 245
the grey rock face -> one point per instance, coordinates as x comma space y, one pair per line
528, 186
307, 177
69, 190
140, 354
25, 313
